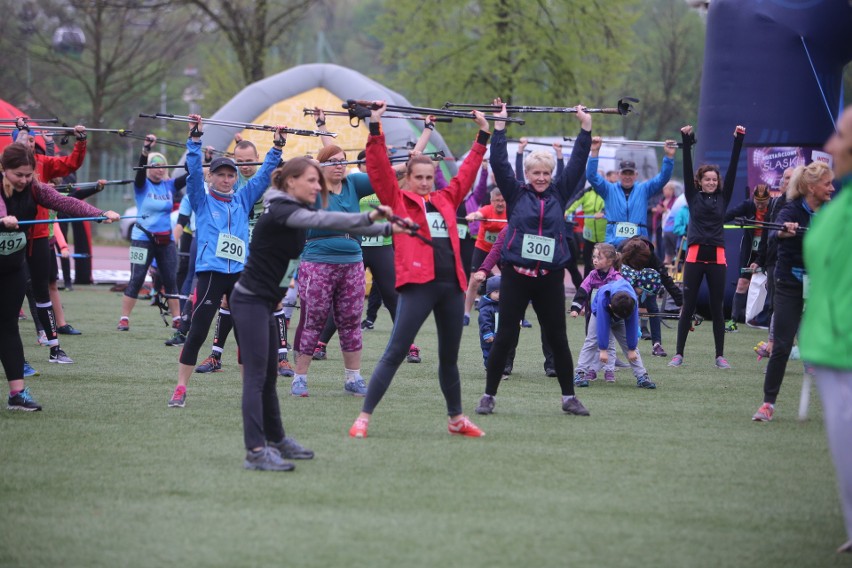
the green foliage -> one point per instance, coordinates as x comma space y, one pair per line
107, 475
531, 53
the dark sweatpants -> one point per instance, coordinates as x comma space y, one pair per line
788, 314
415, 302
208, 296
11, 348
258, 328
548, 301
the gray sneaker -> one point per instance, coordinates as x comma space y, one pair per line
574, 406
291, 449
486, 404
57, 355
267, 459
722, 363
356, 387
676, 361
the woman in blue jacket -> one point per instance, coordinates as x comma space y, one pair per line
221, 228
534, 255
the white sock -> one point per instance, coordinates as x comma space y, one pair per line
351, 374
567, 398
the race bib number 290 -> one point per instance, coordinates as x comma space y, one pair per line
11, 243
231, 248
535, 247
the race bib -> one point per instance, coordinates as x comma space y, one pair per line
755, 242
138, 255
626, 230
11, 243
587, 233
463, 229
491, 237
437, 225
375, 241
535, 247
231, 248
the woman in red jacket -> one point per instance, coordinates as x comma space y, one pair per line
430, 279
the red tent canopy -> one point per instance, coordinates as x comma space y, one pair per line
10, 111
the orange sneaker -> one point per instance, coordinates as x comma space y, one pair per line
764, 413
359, 428
464, 427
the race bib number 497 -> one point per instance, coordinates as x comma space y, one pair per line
11, 243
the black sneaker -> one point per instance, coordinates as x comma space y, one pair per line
550, 371
176, 340
290, 449
57, 355
644, 382
23, 401
413, 354
319, 352
367, 324
210, 365
575, 407
486, 404
267, 459
68, 329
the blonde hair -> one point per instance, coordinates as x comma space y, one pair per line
542, 158
804, 176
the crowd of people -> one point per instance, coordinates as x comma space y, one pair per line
253, 237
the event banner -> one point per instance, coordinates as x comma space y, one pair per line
766, 164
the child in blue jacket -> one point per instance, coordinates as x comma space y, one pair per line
489, 316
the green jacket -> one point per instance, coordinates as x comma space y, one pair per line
825, 338
594, 230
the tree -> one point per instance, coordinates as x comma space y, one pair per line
666, 74
129, 48
543, 52
252, 26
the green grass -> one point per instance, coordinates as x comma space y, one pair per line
108, 475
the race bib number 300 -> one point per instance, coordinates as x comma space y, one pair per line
535, 247
11, 243
231, 248
626, 230
437, 225
138, 255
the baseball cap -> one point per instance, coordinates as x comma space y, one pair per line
222, 162
627, 165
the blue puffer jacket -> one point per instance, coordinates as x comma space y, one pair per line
537, 236
216, 216
633, 209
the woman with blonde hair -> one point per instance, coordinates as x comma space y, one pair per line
809, 189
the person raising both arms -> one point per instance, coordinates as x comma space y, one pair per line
429, 279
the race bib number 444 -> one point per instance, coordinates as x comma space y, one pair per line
535, 247
437, 225
231, 248
11, 243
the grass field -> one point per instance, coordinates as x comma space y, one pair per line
108, 475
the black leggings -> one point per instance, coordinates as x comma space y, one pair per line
253, 320
39, 260
548, 301
208, 296
416, 301
166, 256
14, 285
788, 315
693, 274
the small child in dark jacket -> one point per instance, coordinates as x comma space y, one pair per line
489, 315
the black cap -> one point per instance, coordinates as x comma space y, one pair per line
222, 162
627, 165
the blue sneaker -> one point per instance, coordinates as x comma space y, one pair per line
644, 382
29, 371
299, 387
580, 379
466, 320
356, 387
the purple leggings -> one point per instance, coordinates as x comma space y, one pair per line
338, 288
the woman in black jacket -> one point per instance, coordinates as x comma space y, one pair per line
705, 257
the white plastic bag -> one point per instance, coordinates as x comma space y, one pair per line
756, 296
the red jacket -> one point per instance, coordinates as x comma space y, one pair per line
49, 167
414, 259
